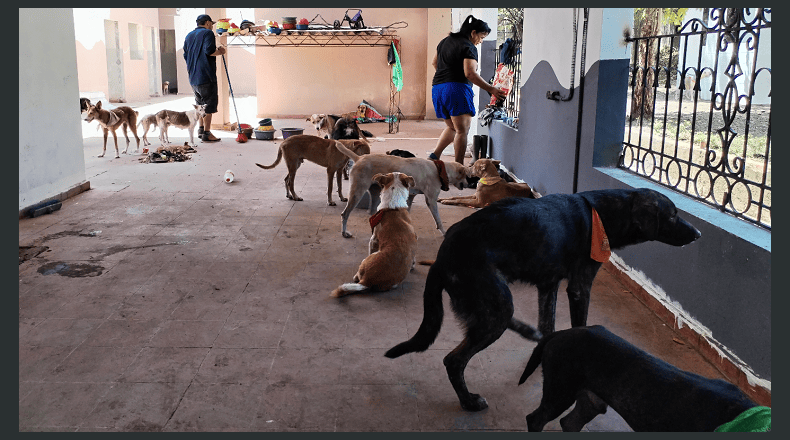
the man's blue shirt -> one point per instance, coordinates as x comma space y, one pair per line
198, 45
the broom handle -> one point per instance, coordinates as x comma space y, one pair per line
238, 122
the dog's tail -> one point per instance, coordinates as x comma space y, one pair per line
431, 320
342, 148
345, 289
276, 161
535, 358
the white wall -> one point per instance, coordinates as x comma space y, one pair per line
51, 157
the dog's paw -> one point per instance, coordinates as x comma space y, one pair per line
346, 234
475, 403
331, 203
298, 199
343, 199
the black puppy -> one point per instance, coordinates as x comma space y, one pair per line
347, 128
85, 104
400, 153
597, 368
536, 241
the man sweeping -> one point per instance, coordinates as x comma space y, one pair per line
200, 52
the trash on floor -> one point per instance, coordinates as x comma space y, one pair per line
169, 154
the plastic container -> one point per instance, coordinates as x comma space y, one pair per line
228, 176
302, 27
265, 122
264, 135
287, 132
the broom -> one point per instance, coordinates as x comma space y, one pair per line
241, 138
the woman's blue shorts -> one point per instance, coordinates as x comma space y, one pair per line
453, 99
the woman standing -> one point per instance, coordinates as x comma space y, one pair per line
456, 70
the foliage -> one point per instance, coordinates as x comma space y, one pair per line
510, 23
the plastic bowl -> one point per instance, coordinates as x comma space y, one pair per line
301, 27
288, 26
274, 30
287, 132
264, 135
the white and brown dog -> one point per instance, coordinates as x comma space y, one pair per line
392, 248
430, 177
146, 122
188, 120
110, 120
322, 124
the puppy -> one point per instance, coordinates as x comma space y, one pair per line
430, 177
110, 120
188, 119
166, 88
540, 242
392, 248
146, 122
347, 128
401, 153
596, 368
297, 148
491, 187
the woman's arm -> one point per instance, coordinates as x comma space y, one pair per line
470, 71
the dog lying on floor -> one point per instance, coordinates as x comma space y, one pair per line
540, 242
430, 177
326, 124
110, 120
146, 122
490, 187
320, 151
188, 119
392, 248
596, 368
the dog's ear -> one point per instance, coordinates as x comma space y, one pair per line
382, 179
98, 105
496, 163
407, 181
645, 213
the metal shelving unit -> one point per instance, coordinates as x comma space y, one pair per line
344, 37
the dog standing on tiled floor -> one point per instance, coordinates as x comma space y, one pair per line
320, 151
392, 248
188, 120
110, 120
596, 368
540, 242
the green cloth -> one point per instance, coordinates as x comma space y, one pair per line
756, 419
397, 70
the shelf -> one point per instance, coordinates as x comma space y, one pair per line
370, 37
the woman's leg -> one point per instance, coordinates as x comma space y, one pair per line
445, 139
461, 124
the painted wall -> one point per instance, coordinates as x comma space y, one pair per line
89, 25
722, 281
51, 164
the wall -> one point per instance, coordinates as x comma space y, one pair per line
52, 164
296, 81
722, 282
92, 56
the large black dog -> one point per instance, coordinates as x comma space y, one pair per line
597, 368
537, 241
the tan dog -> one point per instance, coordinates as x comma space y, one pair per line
146, 122
188, 120
320, 151
166, 88
110, 120
392, 248
491, 187
322, 124
426, 174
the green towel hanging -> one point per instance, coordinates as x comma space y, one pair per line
397, 70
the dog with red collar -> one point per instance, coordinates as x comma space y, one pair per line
393, 245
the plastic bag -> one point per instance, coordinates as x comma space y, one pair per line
503, 79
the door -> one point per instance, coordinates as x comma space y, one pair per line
167, 48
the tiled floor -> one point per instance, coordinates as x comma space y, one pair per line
169, 300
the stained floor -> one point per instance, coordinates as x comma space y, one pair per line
164, 299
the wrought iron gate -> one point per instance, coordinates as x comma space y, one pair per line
699, 116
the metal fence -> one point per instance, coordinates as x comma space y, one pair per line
699, 116
511, 106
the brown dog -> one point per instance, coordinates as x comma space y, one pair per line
491, 187
110, 120
320, 151
392, 248
428, 180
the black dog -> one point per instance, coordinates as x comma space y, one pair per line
597, 368
537, 241
85, 104
347, 128
401, 153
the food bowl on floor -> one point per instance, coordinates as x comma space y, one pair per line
267, 135
287, 132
